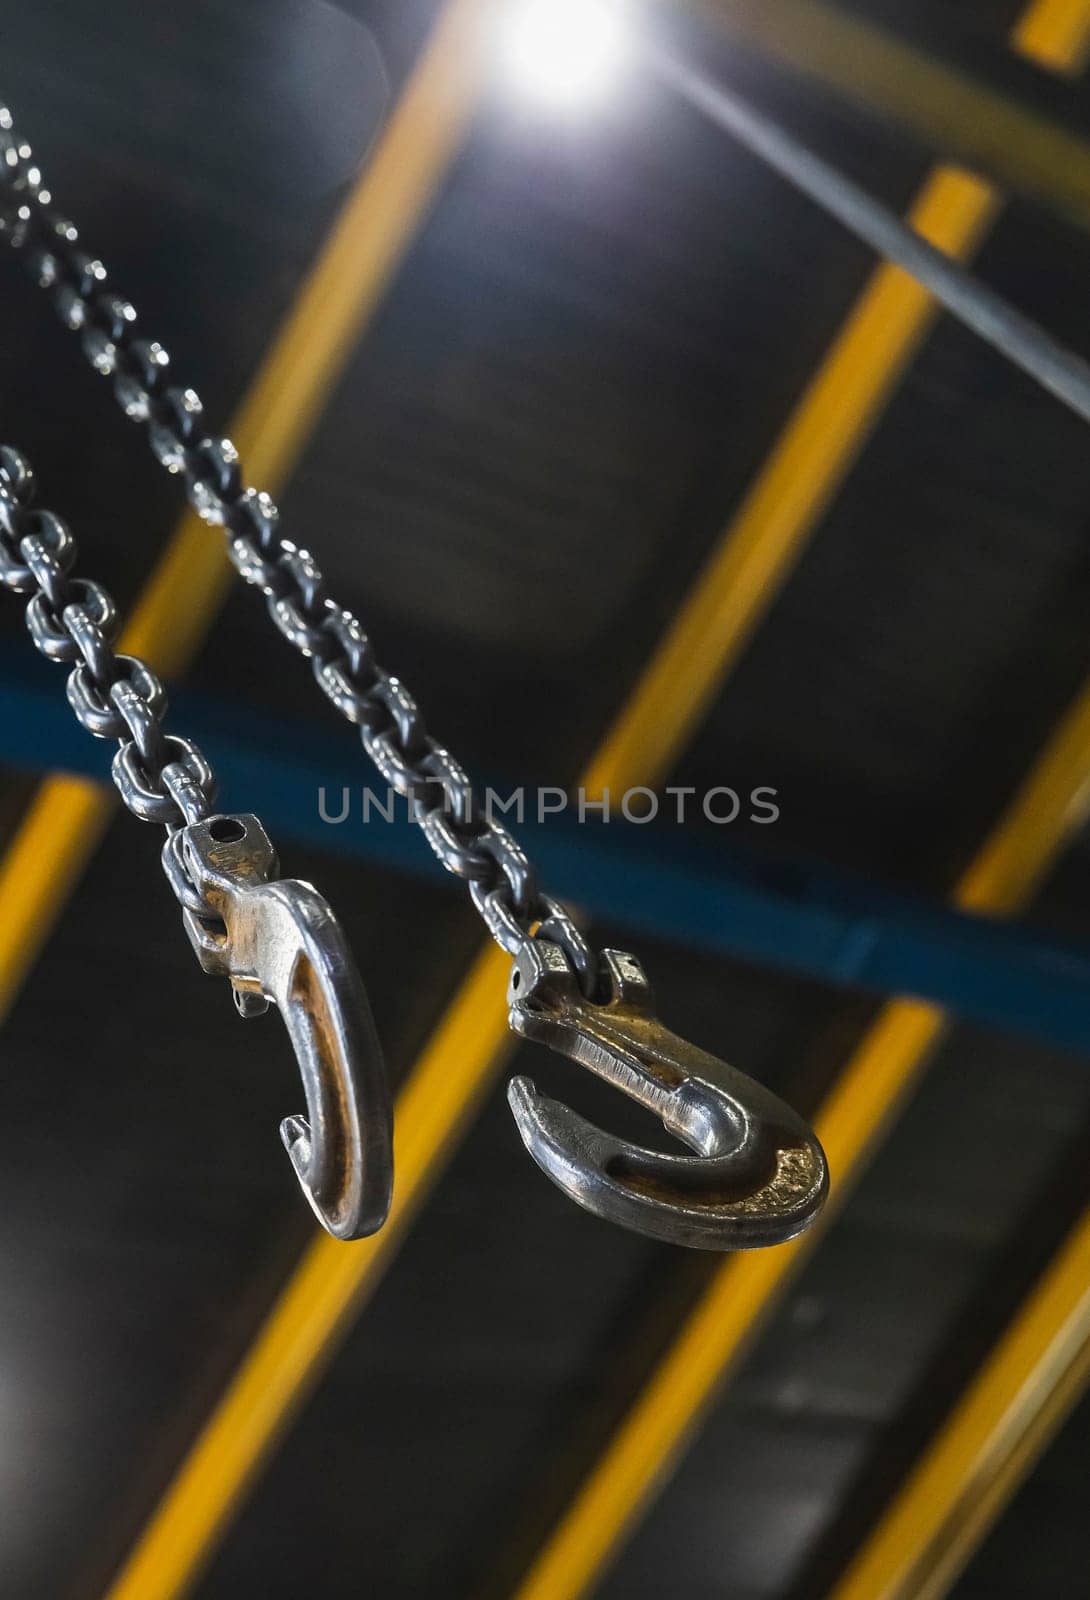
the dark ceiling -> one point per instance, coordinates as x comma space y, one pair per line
587, 355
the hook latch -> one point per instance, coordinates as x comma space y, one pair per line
279, 942
759, 1176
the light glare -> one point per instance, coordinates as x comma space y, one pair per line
563, 54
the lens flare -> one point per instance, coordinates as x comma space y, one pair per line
565, 55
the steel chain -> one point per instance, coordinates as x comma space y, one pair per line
463, 836
160, 776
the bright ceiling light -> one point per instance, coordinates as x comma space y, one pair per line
562, 54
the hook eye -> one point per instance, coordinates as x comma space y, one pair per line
279, 942
759, 1174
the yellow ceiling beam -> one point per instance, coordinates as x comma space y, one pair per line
966, 121
312, 347
1040, 1367
752, 561
1053, 33
997, 1430
763, 541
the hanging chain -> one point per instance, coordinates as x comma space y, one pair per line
160, 776
244, 921
462, 834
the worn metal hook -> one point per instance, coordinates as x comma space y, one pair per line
279, 942
759, 1176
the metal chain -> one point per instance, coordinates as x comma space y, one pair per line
464, 836
160, 776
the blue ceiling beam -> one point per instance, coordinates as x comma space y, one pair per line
792, 915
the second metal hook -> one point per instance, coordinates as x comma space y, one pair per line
759, 1176
280, 943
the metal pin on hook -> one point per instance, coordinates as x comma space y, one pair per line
759, 1176
280, 943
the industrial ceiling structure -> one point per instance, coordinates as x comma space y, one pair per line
643, 472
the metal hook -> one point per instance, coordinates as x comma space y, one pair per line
760, 1175
281, 944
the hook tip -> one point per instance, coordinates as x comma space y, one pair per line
295, 1132
521, 1094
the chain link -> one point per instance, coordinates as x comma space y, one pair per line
463, 836
160, 776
